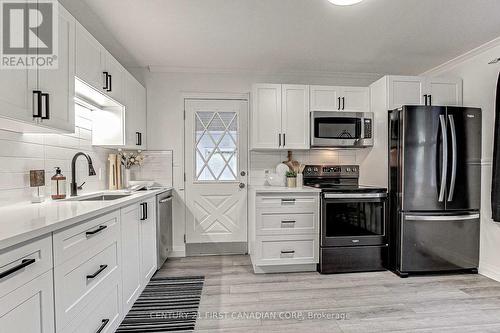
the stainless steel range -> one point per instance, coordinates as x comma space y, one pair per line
353, 220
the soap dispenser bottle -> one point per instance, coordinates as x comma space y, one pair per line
58, 185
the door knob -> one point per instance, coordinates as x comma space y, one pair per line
243, 173
242, 185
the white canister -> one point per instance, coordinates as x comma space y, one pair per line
300, 180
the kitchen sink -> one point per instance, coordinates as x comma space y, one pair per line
104, 197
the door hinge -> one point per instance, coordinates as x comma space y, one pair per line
184, 238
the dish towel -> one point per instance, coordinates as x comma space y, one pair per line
495, 185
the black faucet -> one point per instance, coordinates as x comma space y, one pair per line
74, 186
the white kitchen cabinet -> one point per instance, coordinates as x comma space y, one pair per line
335, 98
325, 98
444, 91
266, 116
418, 90
135, 113
131, 255
29, 308
280, 117
148, 240
115, 72
284, 231
295, 116
58, 85
90, 59
16, 104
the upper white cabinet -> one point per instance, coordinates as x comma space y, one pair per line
280, 116
90, 59
42, 99
135, 113
417, 90
333, 98
114, 72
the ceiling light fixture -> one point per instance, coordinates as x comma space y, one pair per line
345, 2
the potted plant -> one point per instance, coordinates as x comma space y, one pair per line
291, 179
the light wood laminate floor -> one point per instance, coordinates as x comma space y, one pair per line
237, 300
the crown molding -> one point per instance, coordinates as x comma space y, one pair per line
464, 57
240, 71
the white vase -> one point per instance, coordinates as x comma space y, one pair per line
126, 178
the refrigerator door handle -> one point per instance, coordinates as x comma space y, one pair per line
444, 167
454, 160
442, 218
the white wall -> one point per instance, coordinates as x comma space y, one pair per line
480, 81
20, 153
165, 93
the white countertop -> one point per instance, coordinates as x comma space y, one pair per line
25, 221
282, 189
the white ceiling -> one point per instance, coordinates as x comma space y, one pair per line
376, 36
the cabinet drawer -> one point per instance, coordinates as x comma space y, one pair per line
269, 223
104, 313
293, 249
21, 264
75, 240
80, 280
288, 201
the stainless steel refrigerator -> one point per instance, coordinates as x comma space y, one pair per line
434, 188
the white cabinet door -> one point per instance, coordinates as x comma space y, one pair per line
355, 99
135, 113
405, 90
142, 115
90, 59
266, 116
325, 98
131, 249
58, 85
29, 308
16, 93
295, 117
444, 91
116, 74
148, 240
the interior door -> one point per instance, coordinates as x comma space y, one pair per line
216, 170
464, 151
423, 158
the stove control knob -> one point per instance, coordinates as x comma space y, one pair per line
354, 170
308, 170
348, 169
315, 169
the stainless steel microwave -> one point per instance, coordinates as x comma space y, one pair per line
337, 129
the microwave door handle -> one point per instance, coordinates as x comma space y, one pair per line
444, 166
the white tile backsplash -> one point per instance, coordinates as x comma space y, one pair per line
20, 153
157, 166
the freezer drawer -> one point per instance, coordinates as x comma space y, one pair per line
439, 242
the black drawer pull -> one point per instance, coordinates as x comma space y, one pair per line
288, 222
287, 200
24, 263
96, 231
99, 271
103, 324
106, 81
288, 252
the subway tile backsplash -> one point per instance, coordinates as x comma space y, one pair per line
20, 153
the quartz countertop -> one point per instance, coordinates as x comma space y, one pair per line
282, 189
25, 221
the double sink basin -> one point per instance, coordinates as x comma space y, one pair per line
99, 197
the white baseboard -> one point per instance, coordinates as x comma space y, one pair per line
489, 271
178, 252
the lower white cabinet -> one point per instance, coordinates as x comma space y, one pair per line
285, 231
139, 248
29, 308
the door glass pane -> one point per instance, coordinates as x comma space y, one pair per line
216, 152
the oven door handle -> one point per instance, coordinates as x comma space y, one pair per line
355, 195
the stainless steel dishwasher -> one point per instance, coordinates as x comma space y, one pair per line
164, 226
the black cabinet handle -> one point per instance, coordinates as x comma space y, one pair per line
96, 231
339, 103
343, 103
110, 77
105, 74
138, 138
425, 96
37, 104
24, 263
144, 208
104, 322
284, 139
99, 271
279, 139
288, 252
430, 100
45, 96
